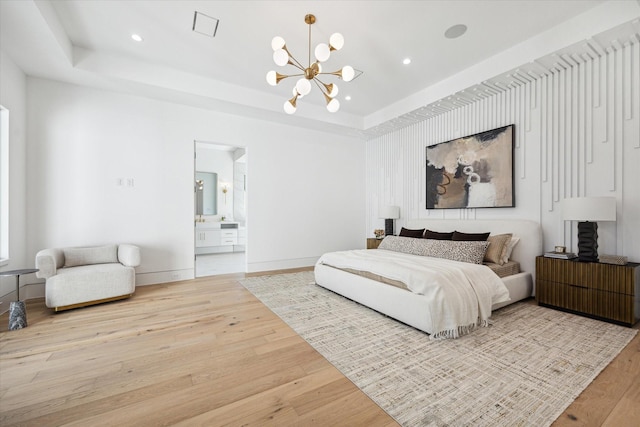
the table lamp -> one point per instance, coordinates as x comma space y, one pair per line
389, 213
588, 210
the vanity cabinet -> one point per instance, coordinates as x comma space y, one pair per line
216, 237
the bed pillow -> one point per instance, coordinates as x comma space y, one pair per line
470, 237
496, 247
463, 251
435, 235
508, 248
405, 232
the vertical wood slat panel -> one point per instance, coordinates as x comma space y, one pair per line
578, 120
586, 100
612, 113
555, 158
589, 101
636, 88
627, 87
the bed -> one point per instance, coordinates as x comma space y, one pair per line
416, 309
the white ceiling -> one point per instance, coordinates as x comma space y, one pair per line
88, 42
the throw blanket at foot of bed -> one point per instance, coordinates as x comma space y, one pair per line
459, 295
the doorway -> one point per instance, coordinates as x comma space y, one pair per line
220, 220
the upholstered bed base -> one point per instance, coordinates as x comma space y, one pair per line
411, 308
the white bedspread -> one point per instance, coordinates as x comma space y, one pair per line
460, 295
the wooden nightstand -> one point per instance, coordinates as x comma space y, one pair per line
373, 243
603, 291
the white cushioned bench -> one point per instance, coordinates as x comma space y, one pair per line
77, 277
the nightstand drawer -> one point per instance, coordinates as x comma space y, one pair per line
606, 277
593, 302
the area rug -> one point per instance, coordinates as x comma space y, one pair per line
523, 370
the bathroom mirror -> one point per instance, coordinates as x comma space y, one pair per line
206, 193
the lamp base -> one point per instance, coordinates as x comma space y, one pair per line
388, 227
17, 315
588, 241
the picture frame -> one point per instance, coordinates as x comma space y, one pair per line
475, 171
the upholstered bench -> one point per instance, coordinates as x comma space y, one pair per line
77, 277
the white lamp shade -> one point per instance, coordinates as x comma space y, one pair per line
281, 57
322, 52
336, 41
272, 78
334, 90
303, 86
289, 108
295, 92
333, 105
277, 43
589, 209
348, 73
389, 212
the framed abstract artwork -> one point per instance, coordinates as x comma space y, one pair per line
475, 171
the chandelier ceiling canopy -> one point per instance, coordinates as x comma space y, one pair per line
309, 73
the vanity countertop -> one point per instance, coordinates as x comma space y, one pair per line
217, 224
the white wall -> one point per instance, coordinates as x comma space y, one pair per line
577, 134
13, 98
307, 187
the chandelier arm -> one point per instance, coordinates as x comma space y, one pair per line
284, 76
321, 86
293, 61
296, 64
333, 73
321, 82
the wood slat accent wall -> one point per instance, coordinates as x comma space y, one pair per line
577, 133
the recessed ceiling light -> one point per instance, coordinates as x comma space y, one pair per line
406, 61
347, 98
455, 31
136, 37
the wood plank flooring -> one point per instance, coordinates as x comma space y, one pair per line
207, 352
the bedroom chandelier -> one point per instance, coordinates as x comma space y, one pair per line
310, 73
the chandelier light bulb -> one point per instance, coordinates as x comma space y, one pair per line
334, 90
322, 52
348, 73
303, 86
336, 41
277, 43
289, 108
271, 78
333, 105
281, 57
295, 92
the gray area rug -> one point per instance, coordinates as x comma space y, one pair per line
523, 370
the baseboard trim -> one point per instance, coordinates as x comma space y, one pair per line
284, 264
154, 278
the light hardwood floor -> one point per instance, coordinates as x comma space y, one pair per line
206, 352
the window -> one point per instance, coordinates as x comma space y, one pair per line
4, 186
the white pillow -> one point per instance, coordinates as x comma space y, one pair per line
508, 248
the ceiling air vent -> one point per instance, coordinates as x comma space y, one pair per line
205, 24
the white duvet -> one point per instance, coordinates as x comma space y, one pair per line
460, 295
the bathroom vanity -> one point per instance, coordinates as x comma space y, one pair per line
218, 237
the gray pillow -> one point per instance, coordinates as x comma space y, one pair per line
463, 251
74, 257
